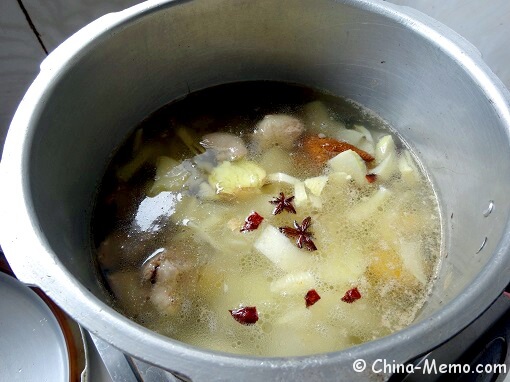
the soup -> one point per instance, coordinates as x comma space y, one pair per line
267, 219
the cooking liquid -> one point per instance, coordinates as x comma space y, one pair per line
390, 252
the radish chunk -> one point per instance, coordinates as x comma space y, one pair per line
350, 163
316, 184
300, 194
412, 256
365, 210
280, 177
281, 251
350, 136
366, 133
293, 283
408, 171
387, 168
318, 119
384, 148
170, 176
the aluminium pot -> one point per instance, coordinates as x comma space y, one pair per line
423, 79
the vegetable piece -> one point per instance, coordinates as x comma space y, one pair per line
408, 170
277, 248
315, 201
319, 150
190, 139
143, 156
225, 145
411, 255
280, 177
387, 168
366, 133
252, 222
385, 146
351, 295
293, 318
299, 232
338, 180
367, 143
338, 188
293, 283
232, 177
350, 163
170, 176
318, 119
385, 266
276, 159
300, 193
350, 136
311, 297
246, 316
277, 130
367, 209
138, 140
283, 204
316, 114
316, 184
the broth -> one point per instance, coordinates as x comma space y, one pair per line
267, 219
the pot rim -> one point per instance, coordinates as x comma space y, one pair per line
21, 237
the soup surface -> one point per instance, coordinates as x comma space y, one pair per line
267, 219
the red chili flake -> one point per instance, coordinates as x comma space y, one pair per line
252, 222
246, 316
371, 178
311, 297
282, 204
299, 232
351, 295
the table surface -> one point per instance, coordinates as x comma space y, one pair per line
30, 29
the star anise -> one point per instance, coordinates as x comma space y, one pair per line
283, 203
299, 232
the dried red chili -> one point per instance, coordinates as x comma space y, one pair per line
252, 222
299, 232
312, 297
246, 316
371, 178
283, 204
351, 295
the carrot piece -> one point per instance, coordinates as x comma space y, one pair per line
322, 149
